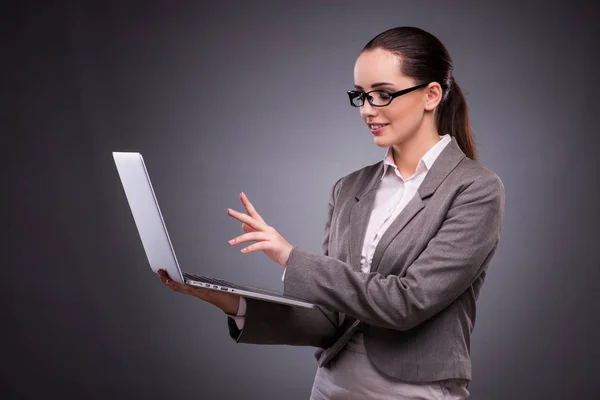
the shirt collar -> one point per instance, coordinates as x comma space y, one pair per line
425, 162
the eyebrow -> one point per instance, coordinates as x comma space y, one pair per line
378, 84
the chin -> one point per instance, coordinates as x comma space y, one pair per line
384, 142
393, 138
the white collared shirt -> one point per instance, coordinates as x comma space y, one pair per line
392, 196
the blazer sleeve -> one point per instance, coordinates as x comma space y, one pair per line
271, 323
449, 264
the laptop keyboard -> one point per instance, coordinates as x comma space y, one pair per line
205, 279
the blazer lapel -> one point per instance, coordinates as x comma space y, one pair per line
443, 165
361, 213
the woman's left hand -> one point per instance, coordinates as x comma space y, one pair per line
266, 237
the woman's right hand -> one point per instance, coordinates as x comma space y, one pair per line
228, 302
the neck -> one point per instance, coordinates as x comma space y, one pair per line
408, 153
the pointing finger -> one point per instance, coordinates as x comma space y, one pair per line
250, 208
247, 219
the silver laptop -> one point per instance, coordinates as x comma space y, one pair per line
155, 238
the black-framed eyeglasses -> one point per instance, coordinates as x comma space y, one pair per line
378, 98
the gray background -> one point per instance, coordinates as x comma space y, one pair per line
229, 97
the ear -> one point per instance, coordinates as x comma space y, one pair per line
433, 96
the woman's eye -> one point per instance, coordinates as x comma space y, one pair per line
383, 95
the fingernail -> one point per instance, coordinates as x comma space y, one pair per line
232, 241
243, 194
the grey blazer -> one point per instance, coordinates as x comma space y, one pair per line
416, 308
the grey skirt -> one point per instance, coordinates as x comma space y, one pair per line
350, 375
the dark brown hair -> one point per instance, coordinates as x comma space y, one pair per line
425, 59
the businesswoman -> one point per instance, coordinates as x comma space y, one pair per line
407, 242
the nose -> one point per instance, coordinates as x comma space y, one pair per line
367, 111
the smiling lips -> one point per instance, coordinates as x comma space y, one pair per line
377, 128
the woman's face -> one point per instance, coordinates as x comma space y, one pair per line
380, 69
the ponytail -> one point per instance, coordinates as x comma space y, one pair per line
452, 117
